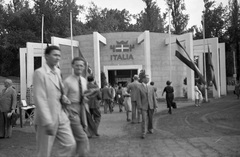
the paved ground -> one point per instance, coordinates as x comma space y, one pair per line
212, 130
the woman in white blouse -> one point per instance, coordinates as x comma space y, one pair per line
198, 95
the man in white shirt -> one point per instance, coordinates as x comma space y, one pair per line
74, 87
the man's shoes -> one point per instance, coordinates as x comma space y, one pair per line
150, 132
143, 137
128, 120
97, 134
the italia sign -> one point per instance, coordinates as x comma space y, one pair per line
121, 49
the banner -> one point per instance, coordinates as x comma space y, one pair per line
210, 67
189, 62
88, 70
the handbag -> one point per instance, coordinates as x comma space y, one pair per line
174, 105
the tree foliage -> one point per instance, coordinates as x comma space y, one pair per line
150, 19
57, 17
107, 20
179, 19
215, 19
215, 22
233, 32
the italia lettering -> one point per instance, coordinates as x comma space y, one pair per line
121, 57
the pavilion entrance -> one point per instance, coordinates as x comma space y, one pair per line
121, 76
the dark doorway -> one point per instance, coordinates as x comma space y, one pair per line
37, 62
121, 76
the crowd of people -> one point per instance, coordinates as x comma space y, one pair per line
68, 111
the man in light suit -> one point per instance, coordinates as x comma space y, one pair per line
8, 102
51, 121
148, 106
133, 89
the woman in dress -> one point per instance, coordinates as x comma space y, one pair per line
169, 96
198, 94
127, 101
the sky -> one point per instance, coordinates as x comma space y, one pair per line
193, 7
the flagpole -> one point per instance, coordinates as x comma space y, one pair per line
204, 58
71, 33
170, 43
234, 67
42, 36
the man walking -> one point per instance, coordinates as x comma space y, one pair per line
8, 102
94, 101
107, 98
148, 106
51, 121
74, 87
133, 89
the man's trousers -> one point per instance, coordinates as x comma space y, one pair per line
147, 121
64, 137
135, 112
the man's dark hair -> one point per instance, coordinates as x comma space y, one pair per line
90, 78
51, 48
77, 59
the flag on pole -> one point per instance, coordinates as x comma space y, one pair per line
189, 62
88, 69
210, 67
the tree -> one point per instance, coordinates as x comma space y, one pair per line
179, 19
151, 18
17, 21
116, 19
57, 17
15, 33
215, 20
6, 61
107, 20
2, 26
20, 24
234, 32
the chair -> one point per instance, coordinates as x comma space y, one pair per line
30, 115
